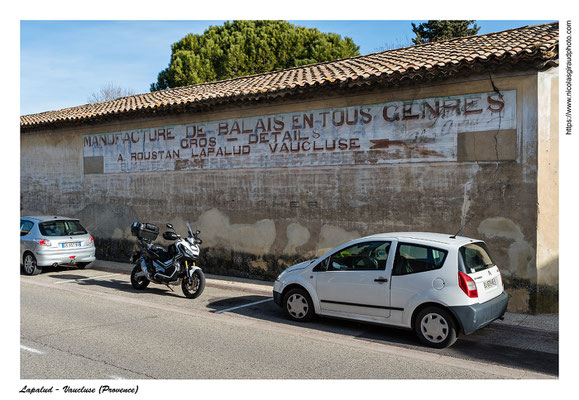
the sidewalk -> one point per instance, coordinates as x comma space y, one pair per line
542, 322
218, 281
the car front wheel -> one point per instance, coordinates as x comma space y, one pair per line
29, 264
298, 305
435, 327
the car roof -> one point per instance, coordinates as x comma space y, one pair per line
441, 238
44, 218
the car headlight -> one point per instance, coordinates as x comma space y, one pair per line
280, 276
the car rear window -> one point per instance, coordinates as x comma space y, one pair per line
61, 228
476, 257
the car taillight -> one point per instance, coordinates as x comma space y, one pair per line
91, 240
467, 285
500, 276
43, 242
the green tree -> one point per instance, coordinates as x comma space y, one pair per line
241, 48
437, 30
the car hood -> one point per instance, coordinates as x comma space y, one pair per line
301, 265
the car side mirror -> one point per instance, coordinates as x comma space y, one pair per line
322, 266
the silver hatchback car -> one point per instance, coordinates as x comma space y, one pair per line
51, 241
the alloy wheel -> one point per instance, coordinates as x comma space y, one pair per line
192, 283
29, 264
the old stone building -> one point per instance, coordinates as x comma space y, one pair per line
278, 167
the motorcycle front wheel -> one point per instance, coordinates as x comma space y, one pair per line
138, 278
193, 287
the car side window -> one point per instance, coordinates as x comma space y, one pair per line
25, 227
414, 258
366, 256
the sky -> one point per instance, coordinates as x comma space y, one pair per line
62, 62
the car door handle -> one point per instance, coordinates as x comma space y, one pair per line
380, 280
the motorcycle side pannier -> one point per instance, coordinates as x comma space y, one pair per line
145, 230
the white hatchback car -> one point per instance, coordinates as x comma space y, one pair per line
436, 284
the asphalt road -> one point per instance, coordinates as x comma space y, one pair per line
93, 325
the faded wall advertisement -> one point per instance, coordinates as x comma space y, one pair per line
419, 130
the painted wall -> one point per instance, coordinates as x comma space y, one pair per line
415, 130
263, 211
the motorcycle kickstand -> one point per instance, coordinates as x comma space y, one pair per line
166, 284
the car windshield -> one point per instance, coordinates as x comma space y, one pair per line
61, 228
476, 257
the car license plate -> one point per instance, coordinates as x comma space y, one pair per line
490, 283
70, 244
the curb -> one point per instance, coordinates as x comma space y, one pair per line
216, 281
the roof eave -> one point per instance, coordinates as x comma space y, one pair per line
538, 61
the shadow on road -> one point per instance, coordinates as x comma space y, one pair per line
486, 345
269, 311
116, 284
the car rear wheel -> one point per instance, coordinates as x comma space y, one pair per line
435, 327
298, 305
30, 265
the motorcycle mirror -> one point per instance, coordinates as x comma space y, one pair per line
197, 233
169, 226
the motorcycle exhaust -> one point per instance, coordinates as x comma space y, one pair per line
144, 269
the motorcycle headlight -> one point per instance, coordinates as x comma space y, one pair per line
187, 252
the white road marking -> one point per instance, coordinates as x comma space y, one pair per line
30, 349
116, 377
245, 305
84, 279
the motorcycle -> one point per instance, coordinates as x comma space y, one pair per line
174, 266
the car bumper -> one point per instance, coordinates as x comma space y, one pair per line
477, 316
277, 298
47, 258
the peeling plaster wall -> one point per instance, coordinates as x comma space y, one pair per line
256, 222
521, 254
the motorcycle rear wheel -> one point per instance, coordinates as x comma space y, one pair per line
139, 281
193, 287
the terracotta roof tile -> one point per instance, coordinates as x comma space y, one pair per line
530, 47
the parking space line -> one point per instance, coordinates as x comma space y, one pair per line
84, 279
30, 349
245, 305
